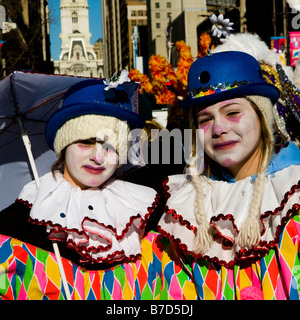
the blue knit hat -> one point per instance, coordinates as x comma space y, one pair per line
226, 75
93, 97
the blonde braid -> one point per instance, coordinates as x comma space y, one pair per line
249, 234
204, 232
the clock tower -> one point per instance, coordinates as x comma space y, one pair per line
77, 57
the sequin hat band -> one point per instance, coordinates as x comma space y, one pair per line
226, 75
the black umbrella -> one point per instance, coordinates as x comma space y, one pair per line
27, 100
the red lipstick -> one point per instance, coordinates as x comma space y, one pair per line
94, 170
225, 145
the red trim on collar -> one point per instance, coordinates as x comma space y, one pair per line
249, 255
85, 253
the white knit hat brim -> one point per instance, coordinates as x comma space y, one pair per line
104, 128
265, 106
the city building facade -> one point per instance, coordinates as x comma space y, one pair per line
137, 32
25, 31
77, 57
170, 21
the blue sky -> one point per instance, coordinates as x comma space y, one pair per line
94, 18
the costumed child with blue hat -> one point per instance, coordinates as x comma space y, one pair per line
232, 221
81, 234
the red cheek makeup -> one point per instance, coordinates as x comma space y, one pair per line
205, 126
236, 118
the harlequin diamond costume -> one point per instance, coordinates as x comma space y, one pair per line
99, 231
234, 239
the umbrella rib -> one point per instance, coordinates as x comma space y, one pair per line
16, 105
40, 104
6, 118
19, 114
42, 118
6, 128
11, 141
47, 100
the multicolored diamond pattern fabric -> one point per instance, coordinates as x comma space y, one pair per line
30, 273
163, 272
277, 275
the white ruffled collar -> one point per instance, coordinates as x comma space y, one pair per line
226, 206
102, 225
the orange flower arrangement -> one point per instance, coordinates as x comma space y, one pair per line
162, 74
204, 42
145, 83
167, 84
183, 66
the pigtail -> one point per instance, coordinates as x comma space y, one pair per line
250, 233
203, 239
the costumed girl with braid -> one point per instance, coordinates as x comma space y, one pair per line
95, 221
232, 225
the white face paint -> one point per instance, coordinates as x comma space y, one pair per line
89, 164
232, 132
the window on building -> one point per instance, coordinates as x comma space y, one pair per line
74, 17
140, 13
169, 5
133, 23
169, 15
156, 5
157, 15
133, 13
157, 25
